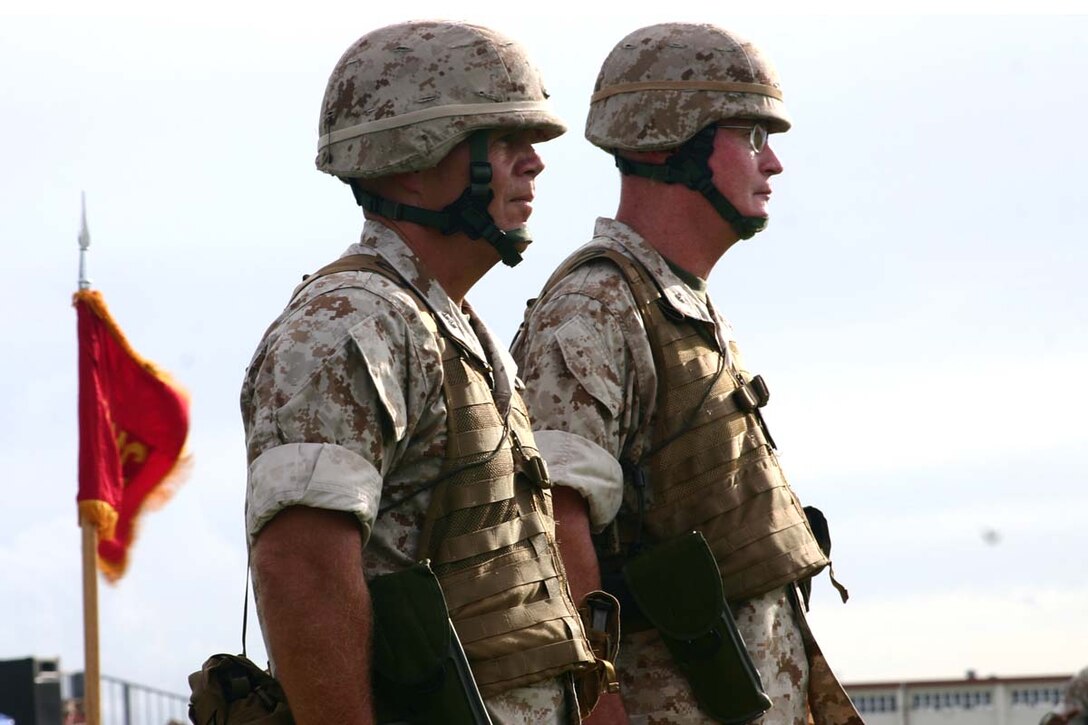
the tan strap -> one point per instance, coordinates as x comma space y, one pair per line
460, 591
371, 263
555, 655
720, 86
496, 624
477, 493
473, 442
351, 263
496, 537
475, 392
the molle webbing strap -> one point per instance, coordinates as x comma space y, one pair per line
492, 538
356, 263
469, 586
472, 629
489, 533
553, 657
719, 474
716, 86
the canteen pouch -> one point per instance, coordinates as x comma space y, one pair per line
230, 689
420, 671
678, 587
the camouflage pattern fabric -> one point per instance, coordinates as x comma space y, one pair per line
661, 84
588, 370
403, 96
343, 408
655, 692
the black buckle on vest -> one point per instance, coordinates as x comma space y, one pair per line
751, 396
759, 387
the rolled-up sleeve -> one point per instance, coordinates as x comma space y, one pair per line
581, 386
328, 409
318, 475
578, 463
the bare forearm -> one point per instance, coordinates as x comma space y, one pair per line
584, 576
316, 615
575, 544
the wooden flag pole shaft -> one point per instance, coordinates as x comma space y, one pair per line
90, 625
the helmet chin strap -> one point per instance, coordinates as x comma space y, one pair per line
467, 214
690, 166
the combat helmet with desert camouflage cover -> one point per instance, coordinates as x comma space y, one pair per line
401, 97
665, 86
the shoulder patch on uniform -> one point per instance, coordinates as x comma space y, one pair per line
583, 351
373, 339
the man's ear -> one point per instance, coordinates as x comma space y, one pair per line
408, 186
405, 187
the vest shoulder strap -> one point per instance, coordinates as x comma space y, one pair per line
643, 287
378, 265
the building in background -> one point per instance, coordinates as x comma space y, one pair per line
34, 691
970, 701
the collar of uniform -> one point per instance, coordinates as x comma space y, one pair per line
676, 291
383, 241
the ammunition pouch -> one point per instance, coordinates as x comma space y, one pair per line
600, 615
232, 689
420, 672
678, 588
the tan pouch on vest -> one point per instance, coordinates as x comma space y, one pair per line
232, 690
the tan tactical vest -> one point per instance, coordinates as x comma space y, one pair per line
710, 466
490, 530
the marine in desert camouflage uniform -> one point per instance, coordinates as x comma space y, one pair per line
686, 110
345, 402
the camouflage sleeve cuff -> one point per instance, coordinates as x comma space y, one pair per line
581, 464
318, 475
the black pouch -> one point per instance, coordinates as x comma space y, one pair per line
678, 588
420, 671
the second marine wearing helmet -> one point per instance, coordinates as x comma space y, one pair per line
650, 420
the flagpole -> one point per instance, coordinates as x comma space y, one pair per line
90, 624
91, 677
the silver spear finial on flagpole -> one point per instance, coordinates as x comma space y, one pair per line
84, 244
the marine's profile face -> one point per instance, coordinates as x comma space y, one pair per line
742, 173
515, 165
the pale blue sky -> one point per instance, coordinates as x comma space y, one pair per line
917, 303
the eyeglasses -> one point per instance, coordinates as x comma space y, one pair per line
757, 136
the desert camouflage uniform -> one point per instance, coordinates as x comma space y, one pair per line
589, 373
343, 409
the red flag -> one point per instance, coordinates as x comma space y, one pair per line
133, 422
